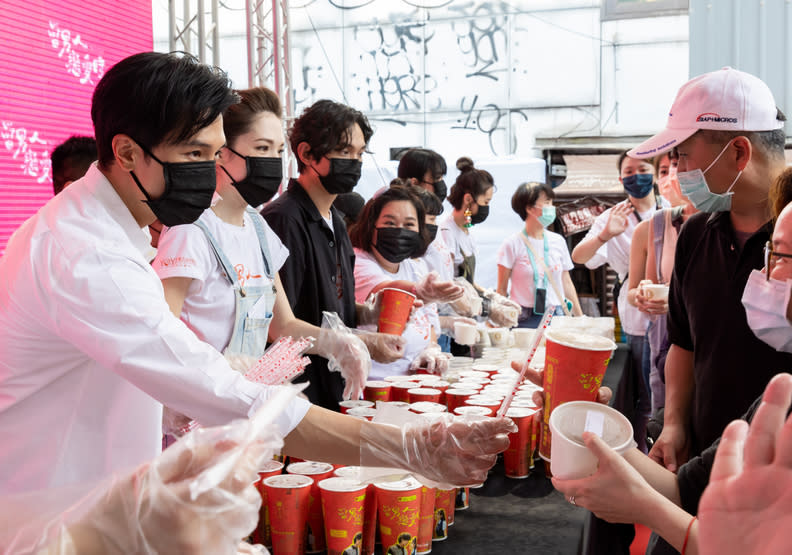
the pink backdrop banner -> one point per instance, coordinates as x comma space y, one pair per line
52, 55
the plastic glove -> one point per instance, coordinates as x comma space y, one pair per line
502, 311
196, 497
430, 289
447, 452
432, 358
469, 304
346, 353
383, 347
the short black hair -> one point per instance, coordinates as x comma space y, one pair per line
526, 195
157, 98
471, 181
417, 161
431, 203
325, 127
71, 159
349, 204
238, 118
362, 233
404, 536
770, 143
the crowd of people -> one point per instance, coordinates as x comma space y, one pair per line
143, 282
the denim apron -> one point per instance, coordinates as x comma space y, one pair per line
250, 334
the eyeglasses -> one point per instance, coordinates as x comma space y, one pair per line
769, 258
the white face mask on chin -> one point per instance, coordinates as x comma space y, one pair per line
765, 303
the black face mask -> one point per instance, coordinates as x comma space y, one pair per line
264, 176
344, 175
481, 215
189, 187
396, 243
440, 189
432, 229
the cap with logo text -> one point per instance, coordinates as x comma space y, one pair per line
722, 100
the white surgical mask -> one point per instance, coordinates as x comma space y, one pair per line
765, 303
694, 186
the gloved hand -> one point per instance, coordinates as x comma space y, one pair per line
152, 510
447, 452
469, 304
430, 289
345, 352
383, 347
502, 311
432, 358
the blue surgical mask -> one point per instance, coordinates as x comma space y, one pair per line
638, 185
765, 303
694, 186
548, 215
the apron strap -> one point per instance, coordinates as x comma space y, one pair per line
263, 243
225, 264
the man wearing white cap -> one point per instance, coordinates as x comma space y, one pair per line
730, 139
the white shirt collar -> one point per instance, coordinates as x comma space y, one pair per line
100, 187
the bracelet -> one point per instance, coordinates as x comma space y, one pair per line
687, 535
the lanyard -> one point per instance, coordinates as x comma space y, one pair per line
533, 262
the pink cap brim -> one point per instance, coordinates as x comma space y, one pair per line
662, 142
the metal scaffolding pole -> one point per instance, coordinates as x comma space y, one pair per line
190, 32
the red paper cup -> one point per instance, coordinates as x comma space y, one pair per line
462, 501
318, 471
262, 533
399, 391
457, 397
288, 497
426, 407
369, 509
377, 390
343, 503
426, 526
399, 509
574, 366
363, 412
516, 459
424, 394
395, 310
346, 405
444, 503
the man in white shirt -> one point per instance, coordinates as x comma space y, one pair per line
90, 349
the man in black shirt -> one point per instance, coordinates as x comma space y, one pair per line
329, 140
730, 139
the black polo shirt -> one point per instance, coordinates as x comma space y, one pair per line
706, 316
318, 276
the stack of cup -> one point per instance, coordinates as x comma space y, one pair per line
426, 526
377, 390
517, 458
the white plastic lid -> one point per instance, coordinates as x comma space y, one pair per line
578, 340
341, 484
288, 481
308, 468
